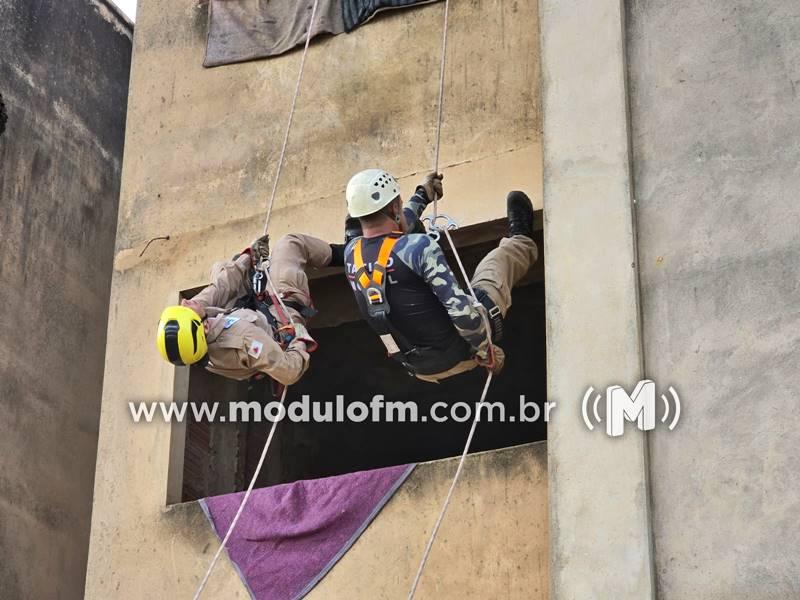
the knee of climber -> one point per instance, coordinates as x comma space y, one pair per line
288, 245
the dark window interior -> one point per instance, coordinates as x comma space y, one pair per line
221, 457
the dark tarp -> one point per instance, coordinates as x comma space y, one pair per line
358, 12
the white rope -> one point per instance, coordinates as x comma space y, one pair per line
480, 404
439, 520
271, 434
463, 270
291, 118
476, 303
441, 106
242, 505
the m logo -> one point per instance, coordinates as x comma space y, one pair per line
640, 406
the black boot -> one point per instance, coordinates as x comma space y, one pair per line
352, 229
520, 214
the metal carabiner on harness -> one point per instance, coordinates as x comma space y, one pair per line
434, 230
258, 281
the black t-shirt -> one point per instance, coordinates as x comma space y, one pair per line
427, 306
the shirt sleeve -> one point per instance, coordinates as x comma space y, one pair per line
428, 261
265, 355
418, 202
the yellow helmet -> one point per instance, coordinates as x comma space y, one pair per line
181, 338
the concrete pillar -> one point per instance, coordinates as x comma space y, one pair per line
599, 523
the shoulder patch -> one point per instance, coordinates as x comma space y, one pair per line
255, 349
230, 321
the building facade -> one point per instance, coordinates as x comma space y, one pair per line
64, 85
659, 140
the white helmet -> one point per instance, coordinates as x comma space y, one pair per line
369, 191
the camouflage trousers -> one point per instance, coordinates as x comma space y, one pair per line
497, 274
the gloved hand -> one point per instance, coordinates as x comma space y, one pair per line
495, 361
301, 334
260, 249
432, 186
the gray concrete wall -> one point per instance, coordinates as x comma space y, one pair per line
64, 80
716, 124
600, 543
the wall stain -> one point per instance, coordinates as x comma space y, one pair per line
3, 116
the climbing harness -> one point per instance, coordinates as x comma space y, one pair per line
373, 288
276, 297
417, 360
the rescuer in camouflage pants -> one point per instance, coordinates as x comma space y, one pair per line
427, 322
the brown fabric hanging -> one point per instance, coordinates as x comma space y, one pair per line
241, 30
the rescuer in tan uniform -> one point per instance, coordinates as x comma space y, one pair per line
236, 327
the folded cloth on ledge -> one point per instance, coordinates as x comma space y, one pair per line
289, 536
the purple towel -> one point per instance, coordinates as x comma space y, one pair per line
289, 536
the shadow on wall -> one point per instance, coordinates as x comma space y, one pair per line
3, 115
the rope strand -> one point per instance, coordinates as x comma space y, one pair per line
441, 106
278, 172
278, 296
446, 504
476, 302
279, 169
242, 505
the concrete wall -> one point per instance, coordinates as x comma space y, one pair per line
600, 543
200, 157
64, 81
715, 145
493, 542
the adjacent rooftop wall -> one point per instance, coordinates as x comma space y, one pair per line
64, 81
715, 145
200, 157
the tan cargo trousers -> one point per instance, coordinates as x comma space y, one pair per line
240, 342
292, 255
